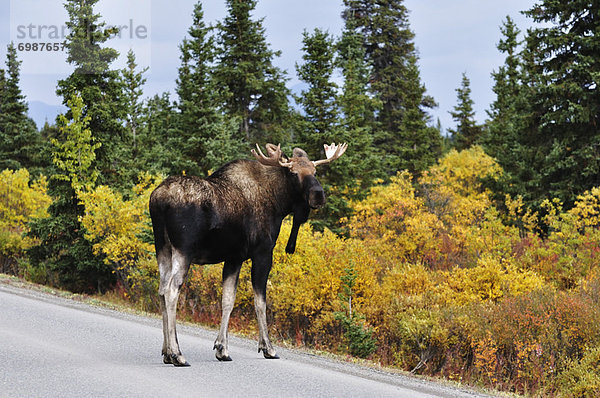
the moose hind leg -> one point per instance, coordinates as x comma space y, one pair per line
165, 319
260, 272
231, 273
169, 289
164, 266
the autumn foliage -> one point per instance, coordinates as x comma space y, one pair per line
432, 278
21, 200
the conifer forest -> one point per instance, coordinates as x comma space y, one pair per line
471, 254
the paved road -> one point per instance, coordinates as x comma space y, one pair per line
57, 347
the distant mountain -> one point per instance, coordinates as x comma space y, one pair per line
41, 112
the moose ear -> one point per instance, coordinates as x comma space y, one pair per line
299, 153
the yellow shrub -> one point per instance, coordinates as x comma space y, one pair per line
304, 287
457, 182
395, 223
448, 219
587, 210
491, 280
20, 202
116, 226
571, 251
581, 378
403, 286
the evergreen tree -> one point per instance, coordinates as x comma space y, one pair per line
19, 139
252, 88
133, 82
467, 132
204, 138
508, 136
196, 97
159, 121
100, 88
362, 162
416, 145
194, 85
500, 137
544, 129
565, 98
48, 132
405, 137
320, 121
90, 147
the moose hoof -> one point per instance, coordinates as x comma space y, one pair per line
267, 354
221, 353
175, 360
223, 358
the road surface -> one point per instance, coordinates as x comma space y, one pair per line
52, 346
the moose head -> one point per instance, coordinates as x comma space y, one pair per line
302, 167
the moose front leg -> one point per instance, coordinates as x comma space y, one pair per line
261, 266
231, 273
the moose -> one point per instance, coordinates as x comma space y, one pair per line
232, 215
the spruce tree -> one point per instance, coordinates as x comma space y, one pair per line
319, 123
19, 139
362, 160
196, 96
565, 98
416, 145
99, 86
252, 88
205, 139
467, 132
523, 161
544, 129
405, 137
500, 136
90, 142
159, 123
132, 81
508, 136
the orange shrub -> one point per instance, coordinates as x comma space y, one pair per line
533, 336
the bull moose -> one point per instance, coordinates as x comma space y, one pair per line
233, 215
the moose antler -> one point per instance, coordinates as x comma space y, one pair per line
332, 152
275, 157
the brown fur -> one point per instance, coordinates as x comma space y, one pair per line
230, 216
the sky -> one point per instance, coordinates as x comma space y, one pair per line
451, 37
